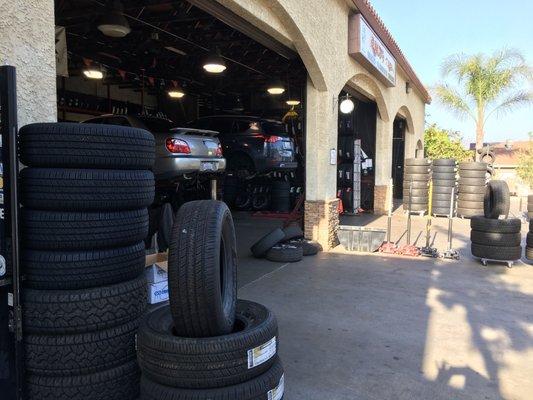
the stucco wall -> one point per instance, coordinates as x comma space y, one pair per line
27, 41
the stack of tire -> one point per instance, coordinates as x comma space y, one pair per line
530, 207
493, 235
281, 196
85, 194
472, 185
285, 245
417, 173
529, 241
444, 177
206, 344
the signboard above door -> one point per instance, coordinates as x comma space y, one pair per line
368, 49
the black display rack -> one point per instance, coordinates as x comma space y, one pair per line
11, 360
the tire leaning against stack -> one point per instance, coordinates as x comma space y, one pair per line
85, 193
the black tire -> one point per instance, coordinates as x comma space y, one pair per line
472, 181
445, 170
488, 158
473, 174
442, 211
471, 189
263, 245
478, 197
210, 362
50, 230
473, 205
83, 310
440, 204
416, 177
86, 189
468, 213
80, 354
416, 200
202, 270
496, 239
416, 192
496, 252
529, 239
309, 248
268, 385
243, 201
529, 253
82, 269
416, 184
445, 190
446, 176
292, 232
511, 225
444, 162
260, 201
416, 207
444, 183
285, 253
412, 169
417, 162
442, 197
120, 383
477, 166
71, 145
497, 201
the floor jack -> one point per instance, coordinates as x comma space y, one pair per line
388, 246
450, 253
409, 249
427, 250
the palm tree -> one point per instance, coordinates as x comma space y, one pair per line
488, 86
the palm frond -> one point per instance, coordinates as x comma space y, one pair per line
452, 100
512, 102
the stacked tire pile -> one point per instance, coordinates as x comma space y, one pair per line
493, 235
417, 173
530, 207
472, 184
285, 245
85, 195
206, 344
444, 177
529, 242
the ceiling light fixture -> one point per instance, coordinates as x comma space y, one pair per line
114, 23
276, 88
214, 63
93, 73
293, 102
347, 105
175, 92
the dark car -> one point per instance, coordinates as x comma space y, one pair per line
179, 151
252, 145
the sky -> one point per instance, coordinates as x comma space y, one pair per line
428, 31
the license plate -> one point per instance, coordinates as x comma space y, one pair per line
208, 166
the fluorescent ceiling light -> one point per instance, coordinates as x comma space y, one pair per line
93, 73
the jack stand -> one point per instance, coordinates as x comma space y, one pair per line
427, 250
409, 249
388, 246
450, 253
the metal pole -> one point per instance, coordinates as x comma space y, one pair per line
430, 209
450, 219
389, 217
409, 213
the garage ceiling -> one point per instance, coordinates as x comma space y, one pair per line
169, 40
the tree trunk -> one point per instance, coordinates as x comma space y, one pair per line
480, 133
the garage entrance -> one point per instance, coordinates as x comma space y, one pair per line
398, 156
357, 151
190, 65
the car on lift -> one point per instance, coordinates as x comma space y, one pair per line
181, 152
252, 145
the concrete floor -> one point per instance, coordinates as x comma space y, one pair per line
356, 326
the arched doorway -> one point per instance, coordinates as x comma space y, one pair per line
398, 155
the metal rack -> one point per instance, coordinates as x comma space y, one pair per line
11, 361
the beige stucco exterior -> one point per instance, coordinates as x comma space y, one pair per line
316, 29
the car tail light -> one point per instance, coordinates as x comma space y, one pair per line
272, 139
218, 151
177, 146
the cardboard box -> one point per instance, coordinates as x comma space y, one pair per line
159, 259
155, 274
158, 292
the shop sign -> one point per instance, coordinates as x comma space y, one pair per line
367, 48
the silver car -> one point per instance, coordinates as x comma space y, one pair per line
179, 151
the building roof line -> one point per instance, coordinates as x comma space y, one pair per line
376, 23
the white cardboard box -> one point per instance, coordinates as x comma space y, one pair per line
158, 292
155, 274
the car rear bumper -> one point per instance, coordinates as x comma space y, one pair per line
173, 167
